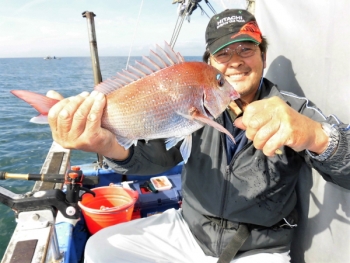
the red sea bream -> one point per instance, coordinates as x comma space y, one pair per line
161, 97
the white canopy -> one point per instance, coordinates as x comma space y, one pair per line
309, 55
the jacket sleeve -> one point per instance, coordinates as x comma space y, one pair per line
336, 168
147, 159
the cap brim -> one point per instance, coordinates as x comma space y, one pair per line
227, 40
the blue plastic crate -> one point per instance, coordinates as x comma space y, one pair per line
153, 203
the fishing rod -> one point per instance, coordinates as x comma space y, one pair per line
53, 199
53, 178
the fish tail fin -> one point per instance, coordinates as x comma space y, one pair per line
38, 101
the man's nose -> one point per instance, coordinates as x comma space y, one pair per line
235, 60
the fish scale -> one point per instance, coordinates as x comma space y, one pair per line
162, 104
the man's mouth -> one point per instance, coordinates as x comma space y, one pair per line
236, 76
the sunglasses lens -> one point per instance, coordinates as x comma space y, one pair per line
223, 55
246, 51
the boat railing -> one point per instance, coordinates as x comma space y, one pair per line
34, 238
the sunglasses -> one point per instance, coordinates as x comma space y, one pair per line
244, 50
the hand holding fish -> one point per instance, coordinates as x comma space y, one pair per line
76, 124
271, 123
162, 97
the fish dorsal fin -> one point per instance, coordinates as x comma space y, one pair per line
159, 59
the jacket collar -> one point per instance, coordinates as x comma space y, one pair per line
268, 90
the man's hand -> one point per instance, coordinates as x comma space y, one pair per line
271, 123
76, 124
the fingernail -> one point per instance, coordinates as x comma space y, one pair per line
84, 94
94, 93
278, 151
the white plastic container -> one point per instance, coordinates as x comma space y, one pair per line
161, 183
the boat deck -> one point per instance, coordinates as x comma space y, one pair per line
41, 237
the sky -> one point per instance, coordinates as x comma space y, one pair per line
41, 28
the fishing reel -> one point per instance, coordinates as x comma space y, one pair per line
53, 199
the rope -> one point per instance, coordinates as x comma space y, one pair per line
172, 41
203, 12
189, 8
177, 28
132, 42
223, 4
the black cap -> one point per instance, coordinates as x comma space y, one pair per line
231, 26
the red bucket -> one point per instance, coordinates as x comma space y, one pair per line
111, 205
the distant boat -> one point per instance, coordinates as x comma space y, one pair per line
48, 57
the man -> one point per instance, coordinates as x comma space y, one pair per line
238, 199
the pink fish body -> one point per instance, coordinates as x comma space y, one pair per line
162, 97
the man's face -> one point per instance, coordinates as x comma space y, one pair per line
244, 74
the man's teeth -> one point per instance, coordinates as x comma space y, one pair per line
237, 75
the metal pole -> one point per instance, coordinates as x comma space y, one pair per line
93, 46
94, 57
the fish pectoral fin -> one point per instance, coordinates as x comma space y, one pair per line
126, 142
171, 142
197, 115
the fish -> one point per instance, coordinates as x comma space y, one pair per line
160, 97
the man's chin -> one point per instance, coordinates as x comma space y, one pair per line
238, 88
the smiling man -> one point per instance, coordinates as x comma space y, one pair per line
243, 75
239, 34
239, 200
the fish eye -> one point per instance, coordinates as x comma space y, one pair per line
220, 79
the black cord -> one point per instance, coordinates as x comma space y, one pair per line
210, 6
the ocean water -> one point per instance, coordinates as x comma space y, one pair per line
24, 145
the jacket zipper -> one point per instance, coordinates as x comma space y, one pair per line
228, 169
227, 175
228, 172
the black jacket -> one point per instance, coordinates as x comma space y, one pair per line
252, 188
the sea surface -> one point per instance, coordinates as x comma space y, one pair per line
24, 145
